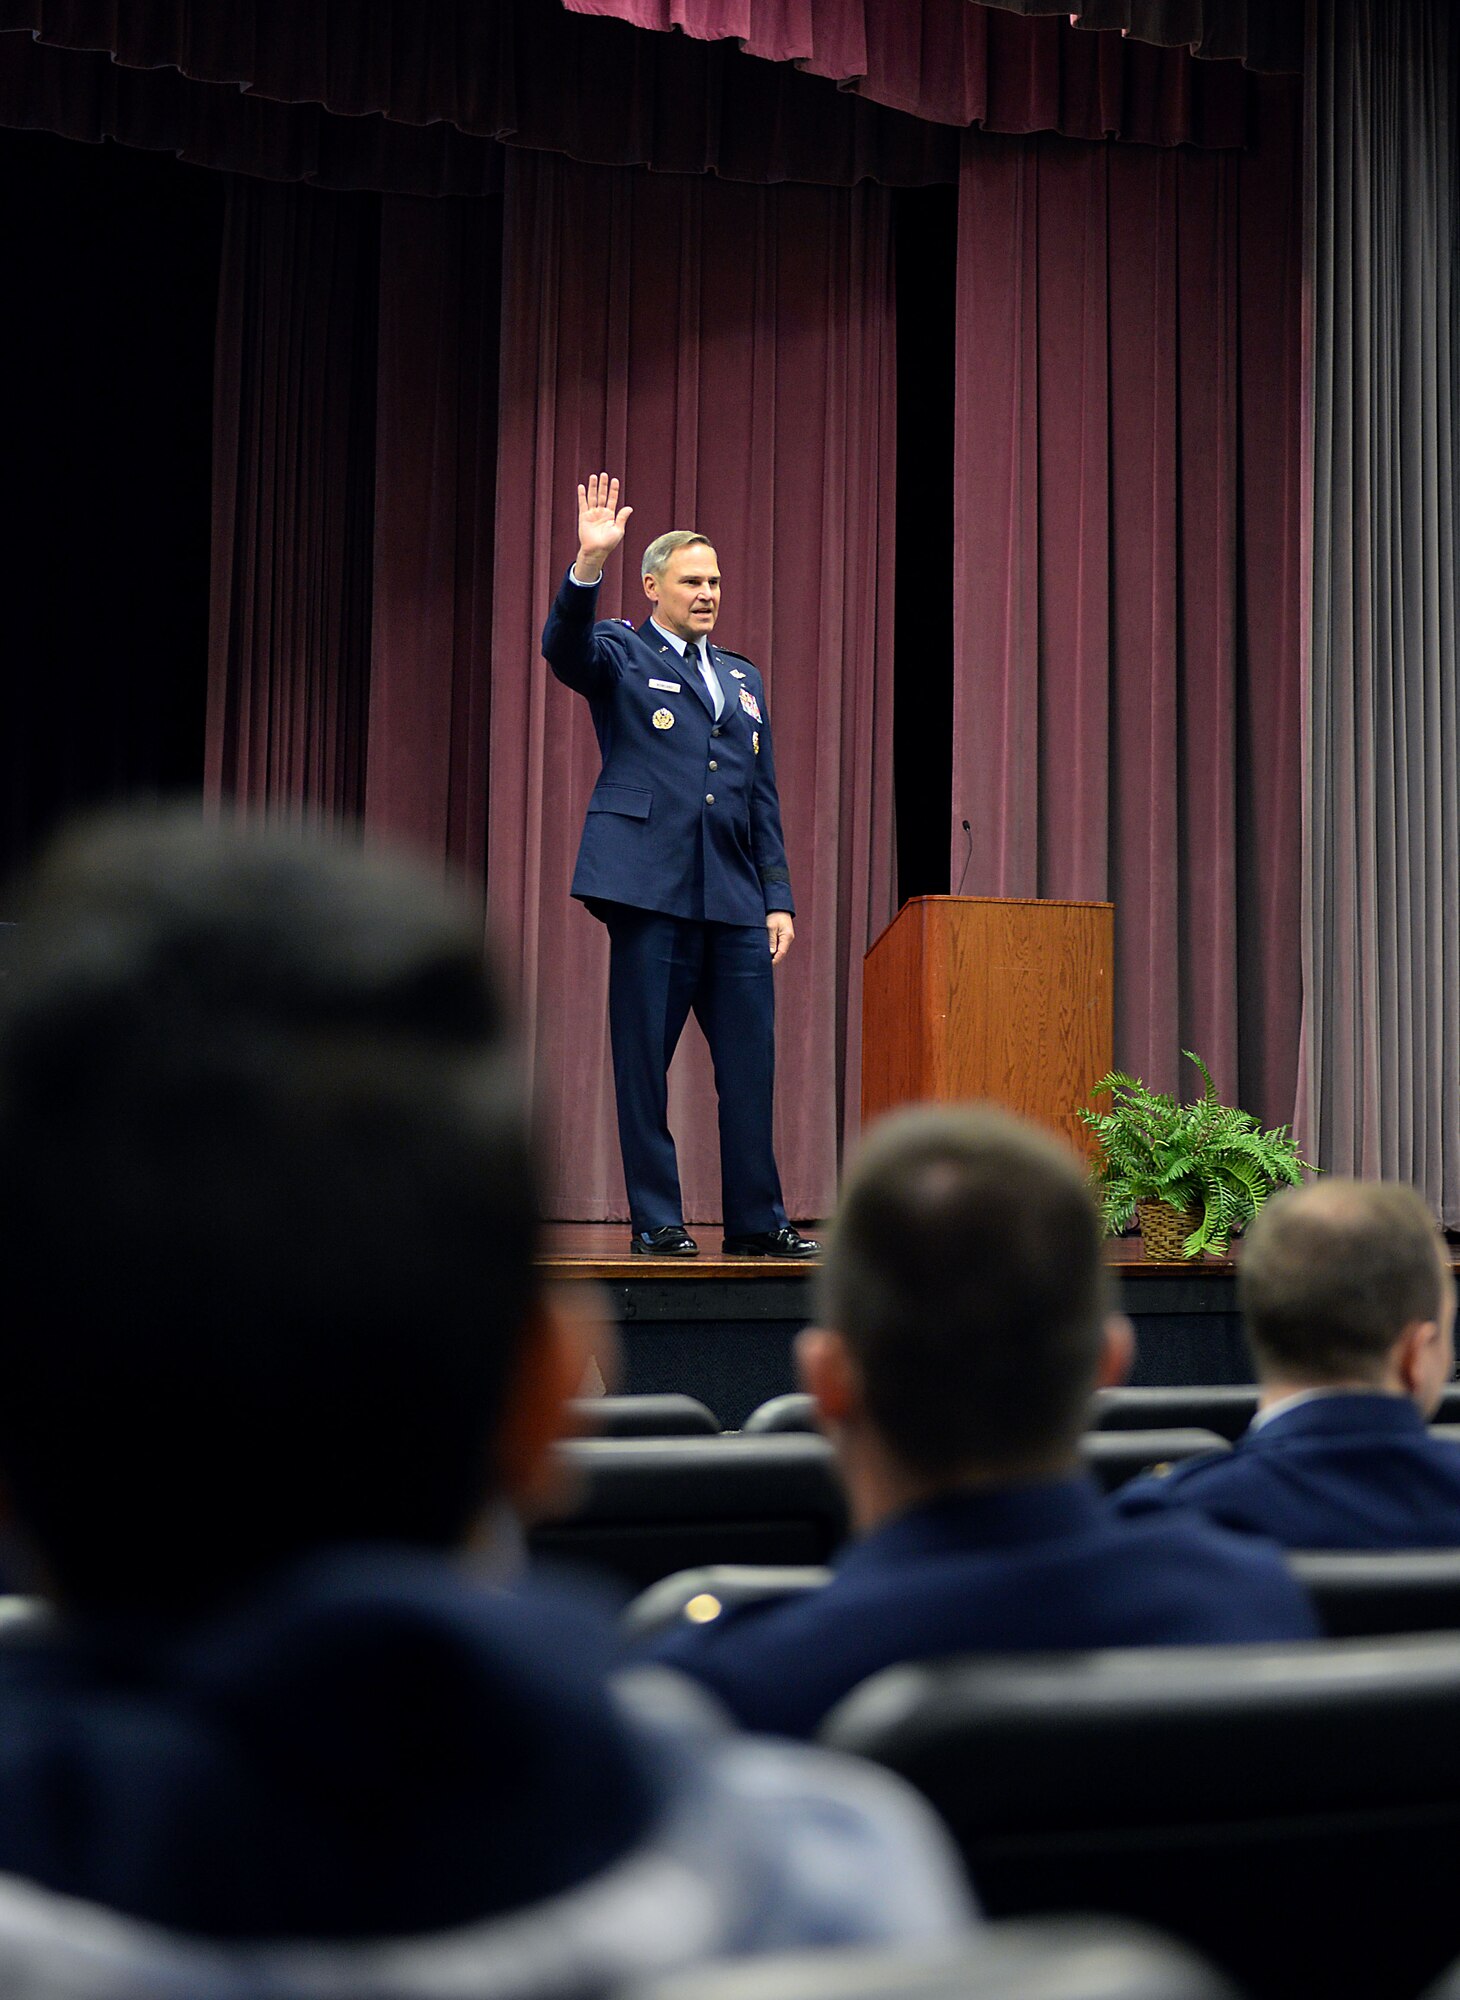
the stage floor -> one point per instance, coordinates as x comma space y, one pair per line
721, 1328
601, 1250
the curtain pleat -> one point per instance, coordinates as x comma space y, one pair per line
1381, 907
1126, 575
729, 352
293, 493
436, 458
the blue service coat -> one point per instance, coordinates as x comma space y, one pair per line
1026, 1569
1340, 1472
684, 818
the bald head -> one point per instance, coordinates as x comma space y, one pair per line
1333, 1274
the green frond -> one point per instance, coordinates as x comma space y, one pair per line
1206, 1157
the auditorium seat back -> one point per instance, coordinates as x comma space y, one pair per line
1363, 1593
793, 1412
1116, 1456
1293, 1812
1225, 1409
646, 1507
1448, 1408
701, 1595
1050, 1958
644, 1416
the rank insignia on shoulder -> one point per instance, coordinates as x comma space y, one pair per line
749, 703
662, 719
755, 741
626, 621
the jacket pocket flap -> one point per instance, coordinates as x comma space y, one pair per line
626, 799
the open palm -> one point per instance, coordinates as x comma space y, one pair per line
601, 521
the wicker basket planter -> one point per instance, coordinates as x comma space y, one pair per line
1164, 1231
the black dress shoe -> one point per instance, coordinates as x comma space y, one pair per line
673, 1240
786, 1242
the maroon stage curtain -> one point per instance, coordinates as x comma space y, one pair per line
436, 460
420, 102
293, 488
729, 351
1127, 577
352, 577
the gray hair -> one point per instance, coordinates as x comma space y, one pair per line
663, 546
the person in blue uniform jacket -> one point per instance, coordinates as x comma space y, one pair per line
963, 1328
1350, 1311
683, 859
276, 1352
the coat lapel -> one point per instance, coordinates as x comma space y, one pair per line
652, 636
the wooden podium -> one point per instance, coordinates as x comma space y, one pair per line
976, 996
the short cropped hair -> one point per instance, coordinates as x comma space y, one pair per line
267, 1208
1330, 1275
663, 547
965, 1274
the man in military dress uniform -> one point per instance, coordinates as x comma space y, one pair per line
683, 859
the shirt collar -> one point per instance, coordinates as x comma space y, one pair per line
1341, 1409
681, 646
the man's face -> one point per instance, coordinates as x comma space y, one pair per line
686, 595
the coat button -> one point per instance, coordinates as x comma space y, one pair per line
713, 765
709, 798
714, 732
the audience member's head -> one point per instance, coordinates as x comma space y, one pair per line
1344, 1284
268, 1214
963, 1304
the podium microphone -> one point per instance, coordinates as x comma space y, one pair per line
967, 857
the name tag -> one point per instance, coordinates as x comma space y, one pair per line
669, 687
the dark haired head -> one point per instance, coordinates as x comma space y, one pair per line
1331, 1275
964, 1274
267, 1207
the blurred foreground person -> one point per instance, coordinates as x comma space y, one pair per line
963, 1329
273, 1352
1350, 1310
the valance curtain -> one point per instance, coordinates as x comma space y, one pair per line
1381, 904
1126, 581
427, 100
961, 64
864, 45
729, 352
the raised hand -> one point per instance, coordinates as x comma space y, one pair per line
601, 525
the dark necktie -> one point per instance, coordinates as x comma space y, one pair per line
693, 661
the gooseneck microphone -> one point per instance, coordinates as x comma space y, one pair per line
967, 857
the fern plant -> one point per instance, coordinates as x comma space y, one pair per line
1204, 1158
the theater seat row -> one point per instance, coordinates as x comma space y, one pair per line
647, 1506
1357, 1593
1293, 1812
1225, 1409
1049, 1958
